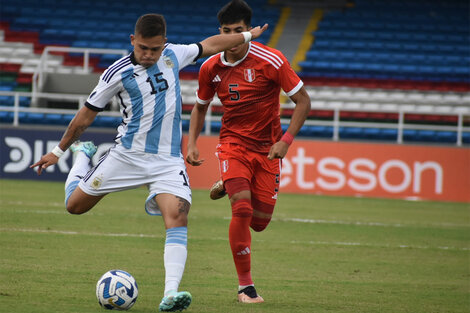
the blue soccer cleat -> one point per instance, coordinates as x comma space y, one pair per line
175, 301
87, 147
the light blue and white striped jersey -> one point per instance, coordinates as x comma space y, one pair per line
150, 99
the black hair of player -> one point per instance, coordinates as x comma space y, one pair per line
150, 25
234, 12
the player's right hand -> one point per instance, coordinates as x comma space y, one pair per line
45, 161
192, 156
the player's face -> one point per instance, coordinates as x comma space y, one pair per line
236, 28
147, 51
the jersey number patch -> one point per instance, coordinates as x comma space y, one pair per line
185, 179
235, 95
159, 80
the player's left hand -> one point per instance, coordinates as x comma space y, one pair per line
257, 31
278, 150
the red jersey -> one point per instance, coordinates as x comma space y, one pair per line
249, 90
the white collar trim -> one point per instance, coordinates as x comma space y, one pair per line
222, 57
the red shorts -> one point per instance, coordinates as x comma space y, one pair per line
262, 173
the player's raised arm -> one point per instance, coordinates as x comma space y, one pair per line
218, 43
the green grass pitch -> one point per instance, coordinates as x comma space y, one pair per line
319, 254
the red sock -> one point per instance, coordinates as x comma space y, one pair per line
240, 240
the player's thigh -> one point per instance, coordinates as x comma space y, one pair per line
234, 162
266, 179
119, 169
169, 188
174, 209
80, 202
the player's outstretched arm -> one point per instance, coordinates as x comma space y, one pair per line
77, 126
196, 124
302, 107
218, 43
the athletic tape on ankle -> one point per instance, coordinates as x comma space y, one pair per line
57, 151
287, 138
247, 36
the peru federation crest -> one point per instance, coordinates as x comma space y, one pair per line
250, 75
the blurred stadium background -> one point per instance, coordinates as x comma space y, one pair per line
372, 60
389, 82
376, 70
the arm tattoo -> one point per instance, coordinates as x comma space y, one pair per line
74, 134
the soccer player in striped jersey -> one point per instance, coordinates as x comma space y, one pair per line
247, 79
148, 144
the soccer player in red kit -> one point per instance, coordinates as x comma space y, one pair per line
248, 80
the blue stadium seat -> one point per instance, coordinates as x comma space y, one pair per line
107, 121
33, 118
67, 118
53, 119
6, 117
319, 131
215, 126
427, 135
7, 100
446, 136
185, 125
351, 132
388, 134
25, 101
419, 47
466, 137
7, 86
371, 133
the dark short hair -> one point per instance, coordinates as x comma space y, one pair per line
150, 25
234, 12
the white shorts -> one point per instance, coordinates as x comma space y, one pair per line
122, 169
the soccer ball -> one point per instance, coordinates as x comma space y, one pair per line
116, 290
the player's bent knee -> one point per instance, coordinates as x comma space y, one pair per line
259, 225
262, 213
242, 208
77, 204
77, 207
74, 209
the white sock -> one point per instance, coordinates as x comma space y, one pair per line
175, 257
80, 167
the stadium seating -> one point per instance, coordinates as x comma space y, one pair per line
371, 60
387, 55
109, 23
413, 41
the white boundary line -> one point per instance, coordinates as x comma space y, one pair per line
296, 220
317, 243
312, 221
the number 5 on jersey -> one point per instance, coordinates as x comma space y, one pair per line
235, 95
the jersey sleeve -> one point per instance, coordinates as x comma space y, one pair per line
289, 81
206, 90
103, 92
186, 54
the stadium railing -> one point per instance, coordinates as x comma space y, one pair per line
336, 128
18, 115
42, 67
